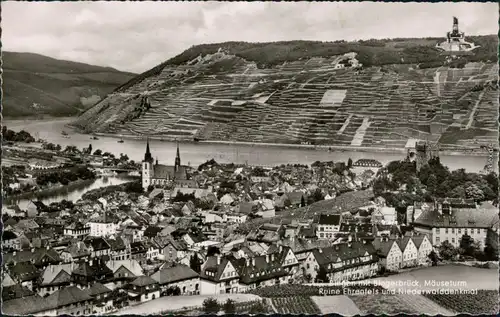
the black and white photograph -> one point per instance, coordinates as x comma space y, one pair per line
249, 158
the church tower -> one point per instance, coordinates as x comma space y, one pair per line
177, 159
147, 167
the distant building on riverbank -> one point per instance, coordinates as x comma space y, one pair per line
158, 174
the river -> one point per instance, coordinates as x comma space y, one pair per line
71, 192
197, 153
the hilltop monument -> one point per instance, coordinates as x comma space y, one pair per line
455, 43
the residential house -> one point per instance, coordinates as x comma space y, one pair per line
143, 289
328, 226
118, 249
261, 271
15, 291
170, 250
90, 272
234, 217
75, 252
266, 208
424, 247
77, 230
40, 257
389, 253
124, 271
102, 301
102, 226
181, 276
267, 233
25, 274
153, 251
98, 247
445, 223
138, 251
219, 276
409, 250
55, 277
70, 301
10, 241
349, 261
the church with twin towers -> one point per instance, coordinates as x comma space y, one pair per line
159, 175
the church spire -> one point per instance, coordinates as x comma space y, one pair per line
148, 157
177, 158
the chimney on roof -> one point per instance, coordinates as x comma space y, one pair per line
349, 238
267, 258
320, 250
47, 247
52, 268
272, 257
281, 247
253, 261
247, 262
32, 250
218, 259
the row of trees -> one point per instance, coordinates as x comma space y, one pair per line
433, 180
12, 136
212, 306
65, 176
468, 247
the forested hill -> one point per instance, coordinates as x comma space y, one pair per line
370, 52
34, 84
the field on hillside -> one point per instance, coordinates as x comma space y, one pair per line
233, 95
484, 302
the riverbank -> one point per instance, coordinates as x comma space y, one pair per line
47, 192
332, 148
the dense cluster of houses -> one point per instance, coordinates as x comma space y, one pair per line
128, 248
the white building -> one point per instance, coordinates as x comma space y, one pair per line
328, 226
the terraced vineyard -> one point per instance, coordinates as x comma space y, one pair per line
225, 97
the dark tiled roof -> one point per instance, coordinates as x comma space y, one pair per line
25, 306
66, 296
98, 244
260, 268
15, 291
35, 257
382, 246
8, 235
459, 218
116, 244
143, 281
168, 171
343, 251
329, 220
174, 274
97, 289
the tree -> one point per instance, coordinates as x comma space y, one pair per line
432, 183
89, 150
468, 247
211, 306
457, 192
321, 276
447, 251
229, 307
195, 263
433, 257
302, 202
472, 191
98, 152
349, 163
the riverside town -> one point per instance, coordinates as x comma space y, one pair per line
353, 177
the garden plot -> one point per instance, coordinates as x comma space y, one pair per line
340, 304
295, 305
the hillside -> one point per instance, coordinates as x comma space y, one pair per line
366, 93
35, 84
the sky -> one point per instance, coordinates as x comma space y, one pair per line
136, 36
